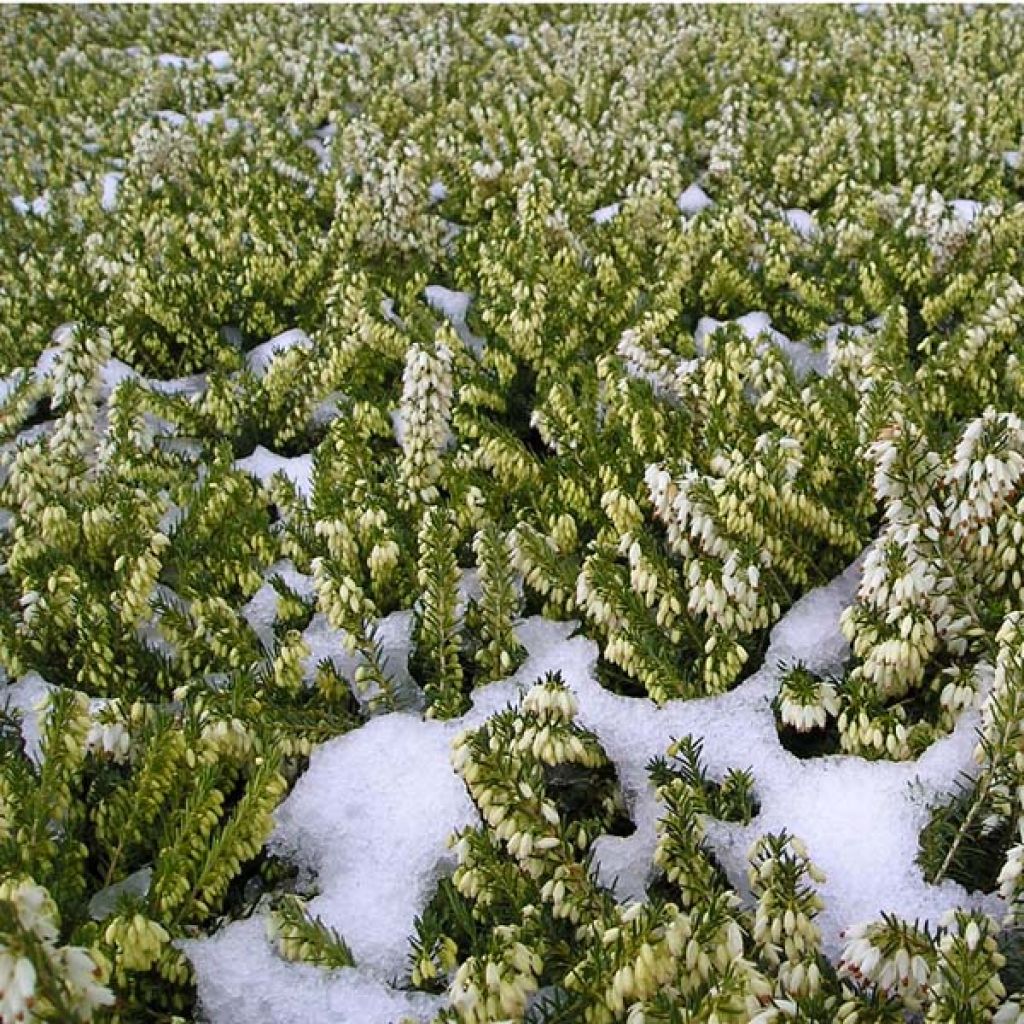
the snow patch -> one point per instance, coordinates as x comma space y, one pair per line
393, 634
757, 326
263, 464
966, 210
692, 200
395, 825
104, 901
328, 409
606, 213
172, 117
260, 357
219, 60
455, 306
112, 373
39, 206
802, 222
10, 383
379, 847
111, 183
173, 60
242, 980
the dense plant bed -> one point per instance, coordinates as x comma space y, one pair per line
511, 514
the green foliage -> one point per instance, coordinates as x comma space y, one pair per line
436, 639
444, 296
302, 937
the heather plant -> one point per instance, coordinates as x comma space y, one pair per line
342, 346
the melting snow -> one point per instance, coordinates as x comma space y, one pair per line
173, 60
802, 222
757, 326
606, 213
372, 815
111, 183
173, 117
219, 60
260, 357
966, 210
263, 464
208, 117
692, 200
113, 372
40, 206
104, 901
455, 306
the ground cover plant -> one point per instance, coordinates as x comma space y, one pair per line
512, 514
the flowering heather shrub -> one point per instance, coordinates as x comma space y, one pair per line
341, 346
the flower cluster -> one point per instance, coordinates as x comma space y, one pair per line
39, 979
425, 410
944, 570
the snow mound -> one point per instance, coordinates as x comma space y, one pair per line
692, 200
260, 358
263, 464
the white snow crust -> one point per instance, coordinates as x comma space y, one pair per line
693, 199
259, 358
757, 326
263, 464
372, 815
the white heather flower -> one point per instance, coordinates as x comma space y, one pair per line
109, 738
83, 977
17, 987
35, 908
425, 412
